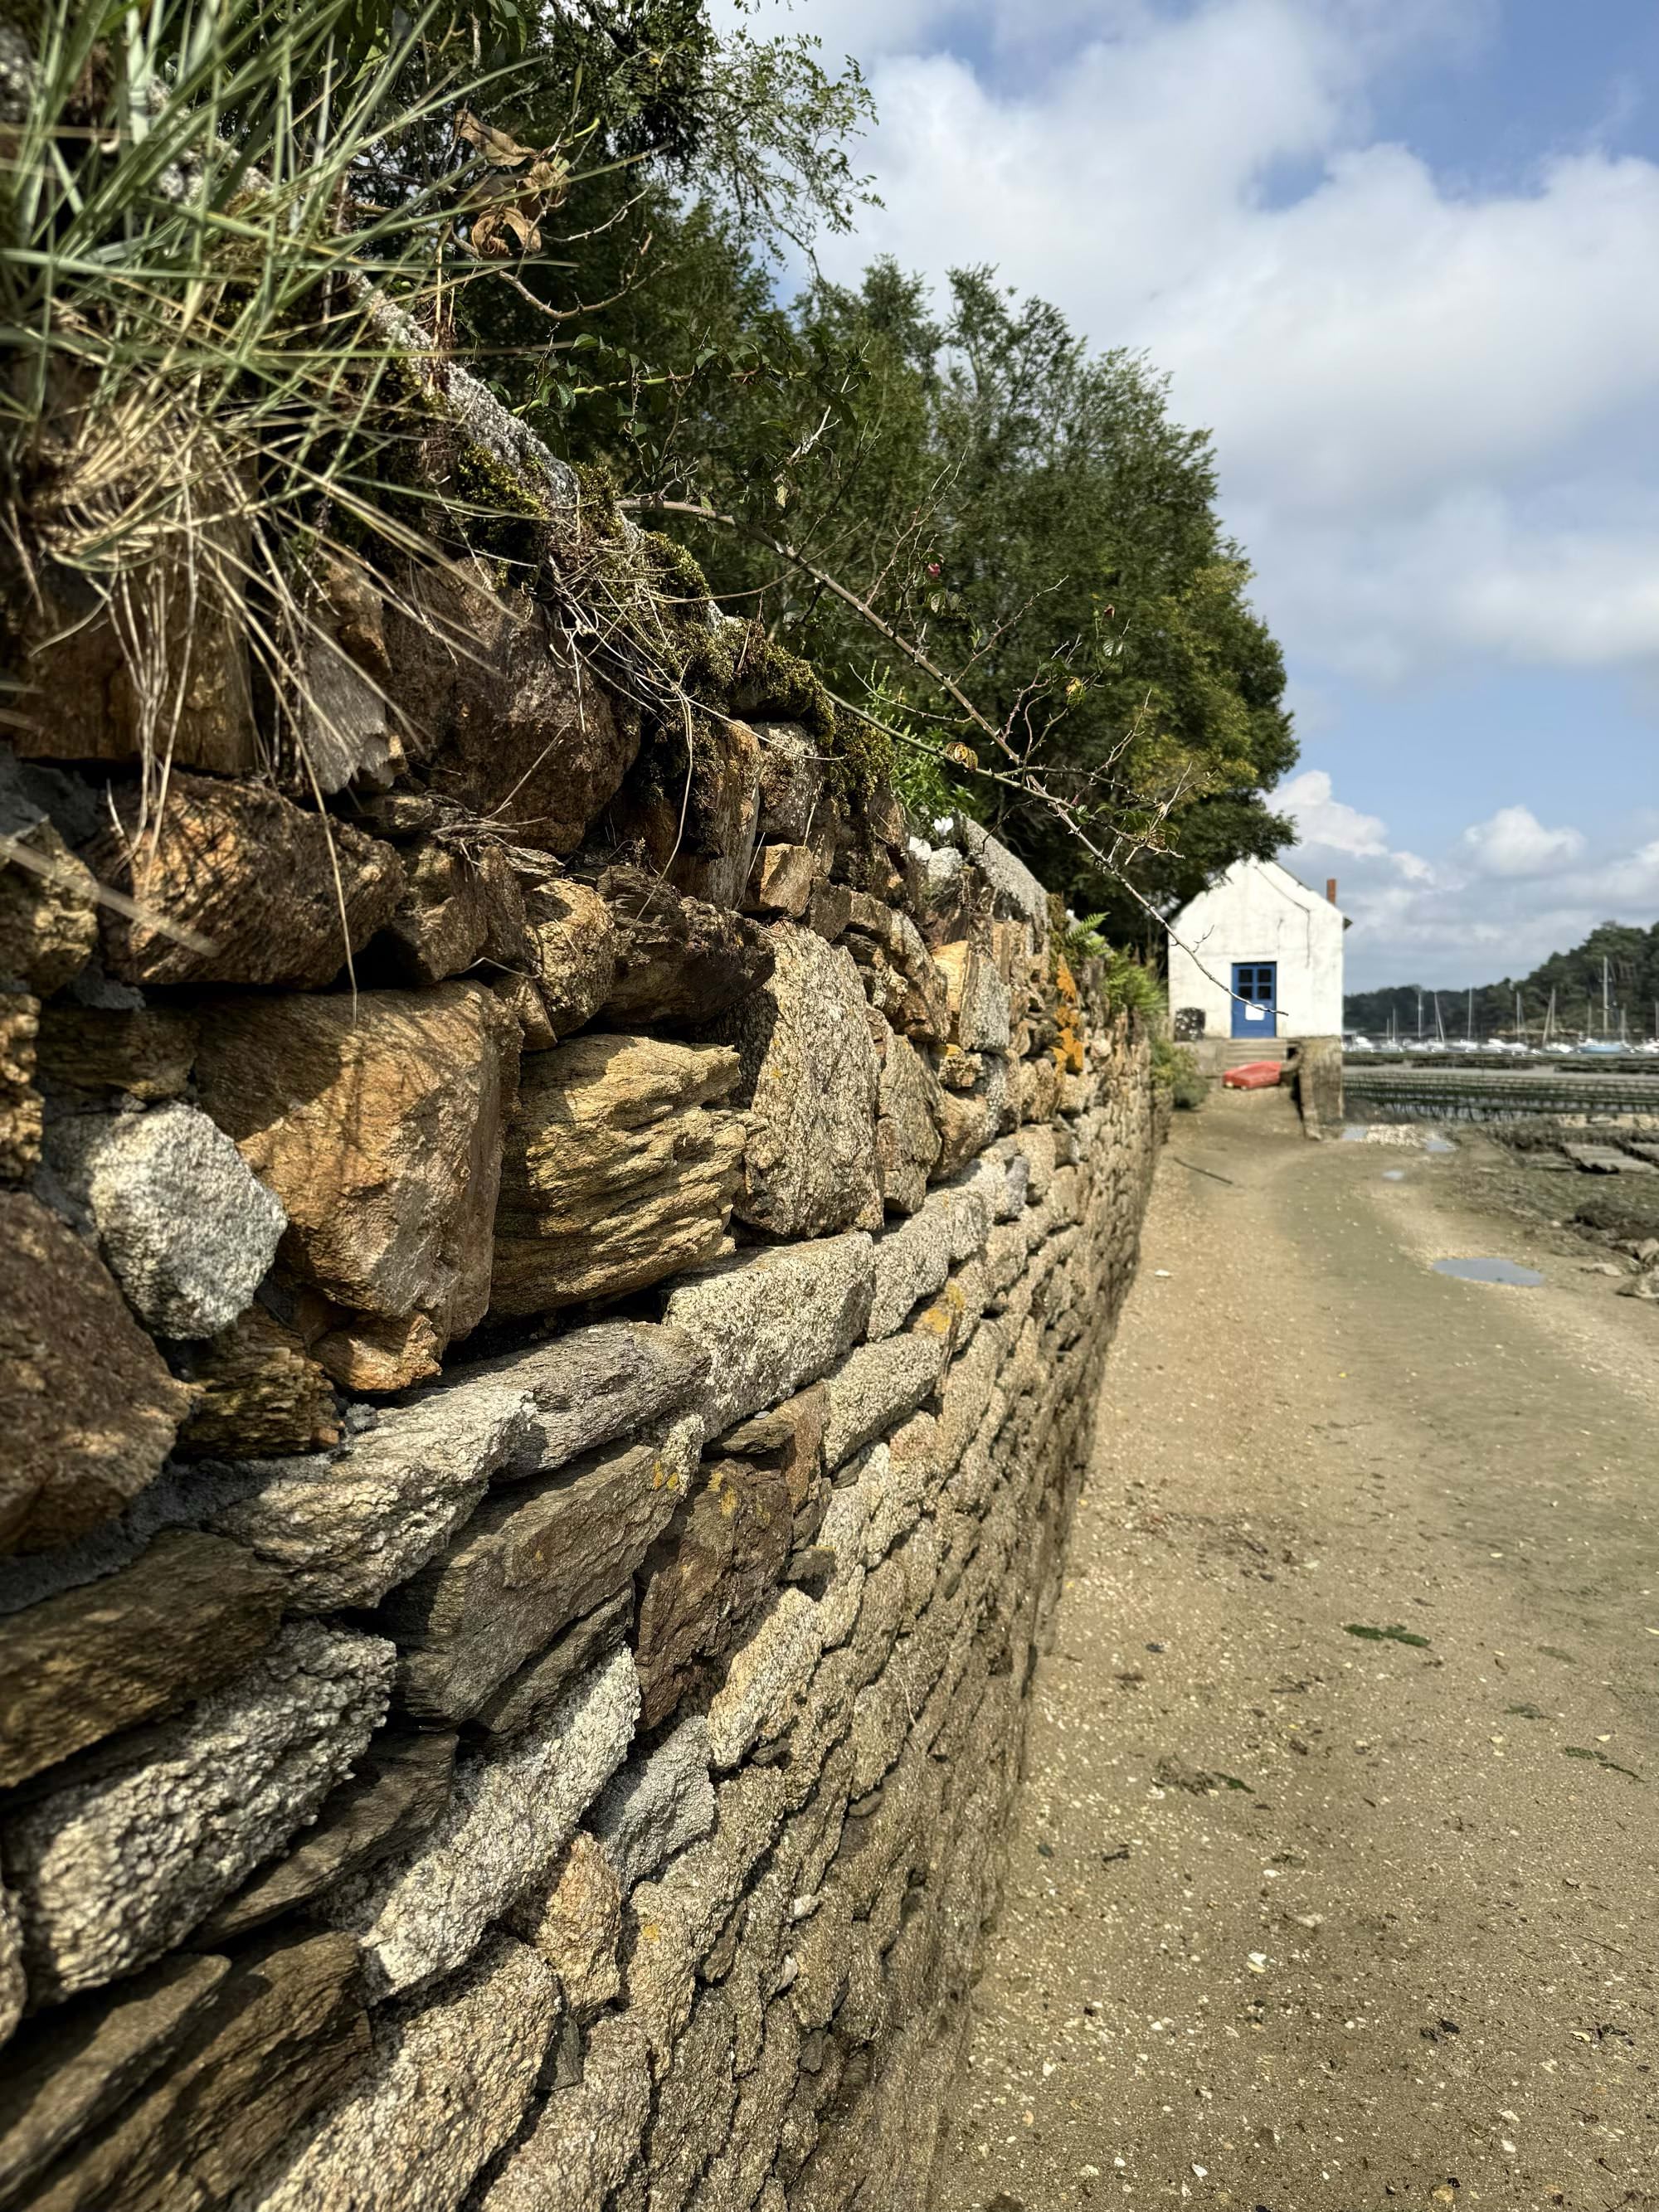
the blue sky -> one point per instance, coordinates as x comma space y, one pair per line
1403, 256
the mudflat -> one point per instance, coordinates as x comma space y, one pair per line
1333, 1878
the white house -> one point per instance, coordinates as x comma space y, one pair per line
1260, 955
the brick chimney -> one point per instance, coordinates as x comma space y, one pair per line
1330, 888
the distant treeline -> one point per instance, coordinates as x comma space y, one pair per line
1632, 954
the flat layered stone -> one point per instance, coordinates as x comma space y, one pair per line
48, 913
575, 1922
899, 974
112, 1870
259, 1394
528, 1562
875, 1387
780, 881
511, 1813
377, 1121
526, 1698
680, 962
284, 2030
657, 1804
269, 892
185, 1226
706, 1578
448, 2082
344, 1527
810, 1082
591, 1384
186, 1615
570, 950
915, 1259
773, 1319
395, 1793
619, 1169
587, 2136
976, 993
766, 1675
146, 1051
88, 1407
83, 2062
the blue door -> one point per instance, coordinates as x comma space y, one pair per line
1256, 999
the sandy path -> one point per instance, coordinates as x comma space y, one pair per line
1297, 1918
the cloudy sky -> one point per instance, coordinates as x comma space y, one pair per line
1403, 256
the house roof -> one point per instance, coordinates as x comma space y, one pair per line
1274, 864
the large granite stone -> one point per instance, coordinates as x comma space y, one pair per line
1014, 889
619, 1169
773, 1319
450, 2079
184, 1617
659, 1803
913, 1259
976, 993
587, 2136
88, 1410
874, 1387
906, 1138
510, 1814
395, 1793
112, 1870
284, 2030
679, 961
377, 1121
528, 1562
268, 891
185, 1228
575, 1921
83, 2062
810, 1082
505, 720
766, 1675
344, 1527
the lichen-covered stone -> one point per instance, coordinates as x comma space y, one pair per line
87, 1407
377, 1121
111, 1871
268, 892
915, 1259
81, 2064
810, 1082
679, 961
48, 916
773, 1319
591, 1384
966, 1126
184, 1617
587, 2136
345, 1527
284, 2030
186, 1228
657, 1804
526, 1564
450, 2078
619, 1169
575, 1922
510, 1814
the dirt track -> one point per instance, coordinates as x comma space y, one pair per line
1300, 1919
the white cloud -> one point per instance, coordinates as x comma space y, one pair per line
1514, 842
1426, 395
1508, 892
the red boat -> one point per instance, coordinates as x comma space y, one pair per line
1255, 1075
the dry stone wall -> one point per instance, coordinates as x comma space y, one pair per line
546, 1360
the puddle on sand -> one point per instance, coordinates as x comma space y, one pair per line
1438, 1145
1490, 1271
1393, 1174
